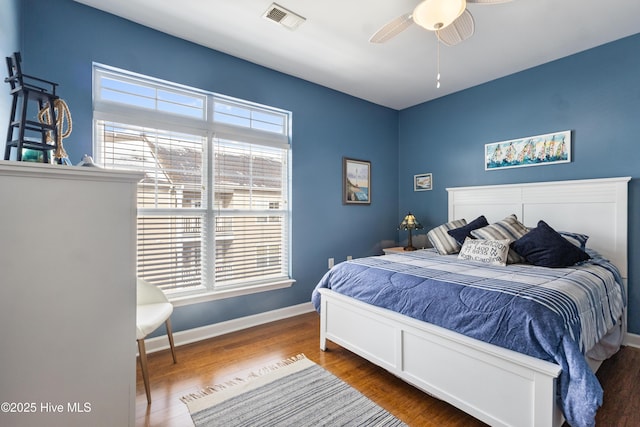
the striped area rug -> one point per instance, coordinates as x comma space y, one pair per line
294, 392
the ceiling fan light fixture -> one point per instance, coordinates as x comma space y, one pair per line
435, 15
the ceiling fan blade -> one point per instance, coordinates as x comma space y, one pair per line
392, 29
488, 1
459, 30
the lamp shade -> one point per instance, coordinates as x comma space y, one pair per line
410, 223
438, 14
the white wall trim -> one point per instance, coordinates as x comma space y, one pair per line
182, 300
632, 340
204, 332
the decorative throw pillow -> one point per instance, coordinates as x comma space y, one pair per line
461, 233
545, 247
445, 244
492, 252
509, 228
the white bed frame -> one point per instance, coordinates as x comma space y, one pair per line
495, 385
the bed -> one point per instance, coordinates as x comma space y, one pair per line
497, 385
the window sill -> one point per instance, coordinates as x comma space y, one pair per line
182, 300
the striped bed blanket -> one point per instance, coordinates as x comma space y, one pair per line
553, 314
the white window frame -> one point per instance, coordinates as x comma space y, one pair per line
251, 131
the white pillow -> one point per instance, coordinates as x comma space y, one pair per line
492, 252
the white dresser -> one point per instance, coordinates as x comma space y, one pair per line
67, 295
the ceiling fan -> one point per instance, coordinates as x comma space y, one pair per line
449, 19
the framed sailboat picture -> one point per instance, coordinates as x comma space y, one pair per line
530, 151
356, 182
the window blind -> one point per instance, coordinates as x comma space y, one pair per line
250, 199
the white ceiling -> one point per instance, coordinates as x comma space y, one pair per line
332, 49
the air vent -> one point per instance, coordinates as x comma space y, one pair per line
284, 17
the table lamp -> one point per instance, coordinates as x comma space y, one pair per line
410, 223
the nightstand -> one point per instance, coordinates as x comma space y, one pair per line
395, 249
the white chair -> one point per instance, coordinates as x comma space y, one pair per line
152, 310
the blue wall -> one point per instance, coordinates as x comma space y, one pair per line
595, 93
327, 125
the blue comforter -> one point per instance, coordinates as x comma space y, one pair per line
551, 314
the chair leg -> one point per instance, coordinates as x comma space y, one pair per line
170, 335
143, 366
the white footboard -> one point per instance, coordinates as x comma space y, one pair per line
495, 385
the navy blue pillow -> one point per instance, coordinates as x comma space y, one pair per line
461, 233
545, 247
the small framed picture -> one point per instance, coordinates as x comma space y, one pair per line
356, 182
422, 182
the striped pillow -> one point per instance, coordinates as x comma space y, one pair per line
509, 228
577, 239
440, 239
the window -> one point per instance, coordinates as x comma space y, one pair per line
213, 205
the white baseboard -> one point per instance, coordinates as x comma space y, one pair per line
632, 340
210, 331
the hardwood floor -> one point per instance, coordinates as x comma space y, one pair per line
234, 355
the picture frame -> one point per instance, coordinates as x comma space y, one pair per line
422, 182
547, 149
356, 181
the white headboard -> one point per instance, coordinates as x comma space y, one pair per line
595, 207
